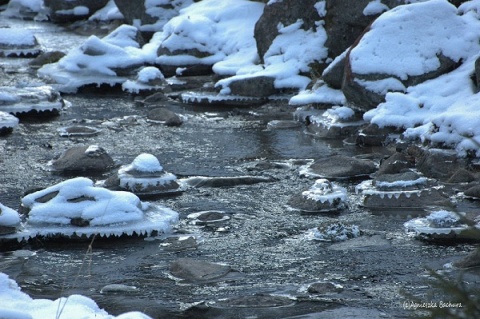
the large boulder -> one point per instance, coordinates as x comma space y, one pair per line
284, 13
387, 58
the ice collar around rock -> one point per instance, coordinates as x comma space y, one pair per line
145, 177
18, 43
7, 123
17, 100
443, 224
76, 207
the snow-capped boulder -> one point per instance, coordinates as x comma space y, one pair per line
90, 158
76, 207
68, 11
149, 79
145, 177
387, 58
21, 9
206, 34
98, 61
32, 99
18, 43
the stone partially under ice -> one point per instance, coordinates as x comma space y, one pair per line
18, 43
17, 100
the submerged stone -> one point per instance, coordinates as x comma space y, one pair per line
193, 270
164, 116
78, 131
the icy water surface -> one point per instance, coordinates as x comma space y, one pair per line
263, 241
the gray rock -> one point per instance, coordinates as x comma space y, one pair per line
473, 192
394, 164
341, 166
193, 270
165, 116
436, 163
344, 23
333, 74
63, 11
83, 159
461, 175
46, 58
472, 260
258, 86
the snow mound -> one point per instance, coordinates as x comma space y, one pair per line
76, 208
18, 305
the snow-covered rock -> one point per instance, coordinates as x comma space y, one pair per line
145, 177
109, 60
322, 197
444, 225
18, 43
333, 232
72, 10
149, 79
76, 208
41, 99
388, 58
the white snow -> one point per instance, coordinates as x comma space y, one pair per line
18, 305
109, 12
8, 216
7, 120
145, 163
320, 94
17, 37
375, 7
108, 212
149, 73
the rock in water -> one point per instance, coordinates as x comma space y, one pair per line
83, 159
193, 270
144, 177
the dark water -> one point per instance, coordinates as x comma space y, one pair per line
264, 240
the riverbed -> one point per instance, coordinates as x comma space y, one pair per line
264, 241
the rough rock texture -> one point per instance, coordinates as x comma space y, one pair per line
193, 270
344, 23
394, 164
259, 86
285, 12
83, 158
66, 11
134, 10
436, 163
